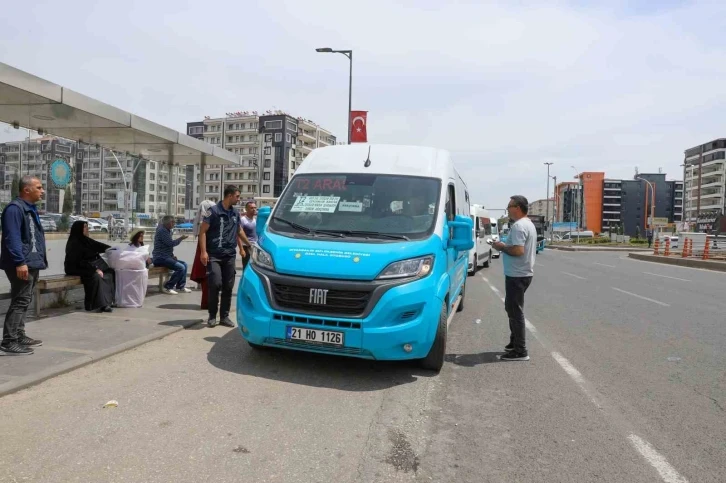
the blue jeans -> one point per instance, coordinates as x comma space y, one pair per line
178, 278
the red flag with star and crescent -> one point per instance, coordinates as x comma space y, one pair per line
358, 126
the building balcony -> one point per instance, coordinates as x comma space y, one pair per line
612, 189
305, 134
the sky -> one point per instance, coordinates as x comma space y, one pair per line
504, 86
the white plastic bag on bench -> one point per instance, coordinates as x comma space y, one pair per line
131, 258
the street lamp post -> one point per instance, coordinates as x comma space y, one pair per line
554, 208
547, 198
652, 203
578, 191
349, 54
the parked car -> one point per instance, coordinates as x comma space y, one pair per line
48, 223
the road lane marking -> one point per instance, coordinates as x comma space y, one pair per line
666, 276
573, 275
667, 472
656, 460
641, 297
603, 264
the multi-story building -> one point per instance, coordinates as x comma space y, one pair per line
627, 202
566, 195
705, 180
99, 178
271, 146
542, 208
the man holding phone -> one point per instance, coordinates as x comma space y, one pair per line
518, 254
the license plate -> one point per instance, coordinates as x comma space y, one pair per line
315, 336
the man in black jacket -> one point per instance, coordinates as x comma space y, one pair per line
22, 256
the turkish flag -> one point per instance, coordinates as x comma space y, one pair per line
358, 129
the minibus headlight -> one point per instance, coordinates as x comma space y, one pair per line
413, 267
261, 258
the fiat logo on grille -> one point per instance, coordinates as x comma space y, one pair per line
318, 296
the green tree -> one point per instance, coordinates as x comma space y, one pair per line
64, 223
68, 202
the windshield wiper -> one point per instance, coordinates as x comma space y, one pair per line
298, 227
391, 236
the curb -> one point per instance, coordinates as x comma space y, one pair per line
682, 262
598, 249
34, 379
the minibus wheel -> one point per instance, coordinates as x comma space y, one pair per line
434, 361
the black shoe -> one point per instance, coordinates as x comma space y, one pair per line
15, 349
27, 341
212, 322
509, 347
107, 309
514, 356
226, 322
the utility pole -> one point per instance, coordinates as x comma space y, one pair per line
547, 198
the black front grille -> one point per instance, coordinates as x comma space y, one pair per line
343, 302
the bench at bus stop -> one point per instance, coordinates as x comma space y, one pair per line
58, 283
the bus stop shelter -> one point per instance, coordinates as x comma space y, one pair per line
33, 103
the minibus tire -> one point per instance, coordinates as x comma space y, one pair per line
434, 361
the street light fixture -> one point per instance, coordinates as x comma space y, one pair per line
652, 203
547, 198
349, 54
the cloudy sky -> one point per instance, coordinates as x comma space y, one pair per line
504, 86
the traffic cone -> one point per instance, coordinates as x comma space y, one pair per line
684, 252
656, 247
667, 251
706, 250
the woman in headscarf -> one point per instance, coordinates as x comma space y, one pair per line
83, 259
199, 271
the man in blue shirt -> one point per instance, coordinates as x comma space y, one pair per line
164, 257
22, 256
219, 236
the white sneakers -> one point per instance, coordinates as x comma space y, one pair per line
174, 292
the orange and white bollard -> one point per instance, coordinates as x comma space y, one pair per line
690, 247
656, 247
667, 251
684, 253
706, 250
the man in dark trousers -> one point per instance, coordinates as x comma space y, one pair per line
22, 256
219, 236
518, 254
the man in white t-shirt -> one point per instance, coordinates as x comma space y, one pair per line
518, 252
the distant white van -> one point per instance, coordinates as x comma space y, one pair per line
481, 254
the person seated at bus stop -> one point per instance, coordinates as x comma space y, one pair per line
83, 258
164, 257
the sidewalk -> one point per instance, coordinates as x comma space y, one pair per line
75, 339
715, 265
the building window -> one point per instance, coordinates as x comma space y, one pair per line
266, 176
278, 137
273, 124
268, 150
266, 189
288, 137
268, 163
268, 138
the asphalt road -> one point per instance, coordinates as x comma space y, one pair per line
626, 383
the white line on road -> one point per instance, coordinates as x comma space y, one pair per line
667, 472
666, 276
573, 275
603, 264
656, 460
641, 297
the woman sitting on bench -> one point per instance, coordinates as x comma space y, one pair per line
83, 259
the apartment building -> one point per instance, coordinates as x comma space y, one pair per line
566, 195
272, 146
705, 180
542, 208
627, 202
99, 178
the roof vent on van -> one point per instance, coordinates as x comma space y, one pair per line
368, 160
